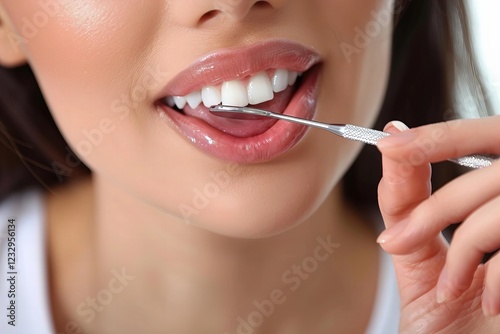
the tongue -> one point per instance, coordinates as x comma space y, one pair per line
244, 128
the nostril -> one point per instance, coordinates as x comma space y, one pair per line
208, 16
236, 10
262, 4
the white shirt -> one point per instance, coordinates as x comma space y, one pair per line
31, 300
32, 313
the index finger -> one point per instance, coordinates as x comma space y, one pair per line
445, 140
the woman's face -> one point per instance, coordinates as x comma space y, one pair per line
109, 70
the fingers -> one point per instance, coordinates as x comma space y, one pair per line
400, 191
414, 219
478, 235
491, 293
441, 141
449, 205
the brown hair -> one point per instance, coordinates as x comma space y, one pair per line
432, 54
430, 38
32, 150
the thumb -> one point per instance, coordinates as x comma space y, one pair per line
403, 187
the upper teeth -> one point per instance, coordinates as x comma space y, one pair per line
260, 88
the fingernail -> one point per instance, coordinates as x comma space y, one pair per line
399, 135
489, 305
392, 232
398, 125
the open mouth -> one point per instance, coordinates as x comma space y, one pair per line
271, 90
277, 75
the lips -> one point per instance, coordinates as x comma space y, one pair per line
263, 75
243, 128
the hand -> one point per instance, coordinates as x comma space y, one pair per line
443, 288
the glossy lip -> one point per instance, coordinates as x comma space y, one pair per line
234, 64
227, 65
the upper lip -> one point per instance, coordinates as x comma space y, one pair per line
215, 68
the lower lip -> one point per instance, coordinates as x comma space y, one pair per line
280, 138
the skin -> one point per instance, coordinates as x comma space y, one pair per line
458, 294
93, 54
94, 62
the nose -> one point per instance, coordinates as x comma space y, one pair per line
239, 9
195, 12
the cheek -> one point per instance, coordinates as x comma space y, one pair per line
90, 58
85, 55
361, 51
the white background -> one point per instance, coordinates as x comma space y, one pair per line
486, 27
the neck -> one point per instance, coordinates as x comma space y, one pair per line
164, 274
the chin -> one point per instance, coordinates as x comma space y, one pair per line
249, 226
253, 217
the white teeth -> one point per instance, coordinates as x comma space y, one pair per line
280, 80
194, 99
292, 78
211, 96
180, 101
260, 89
234, 93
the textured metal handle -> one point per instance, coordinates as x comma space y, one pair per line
370, 136
474, 161
364, 135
